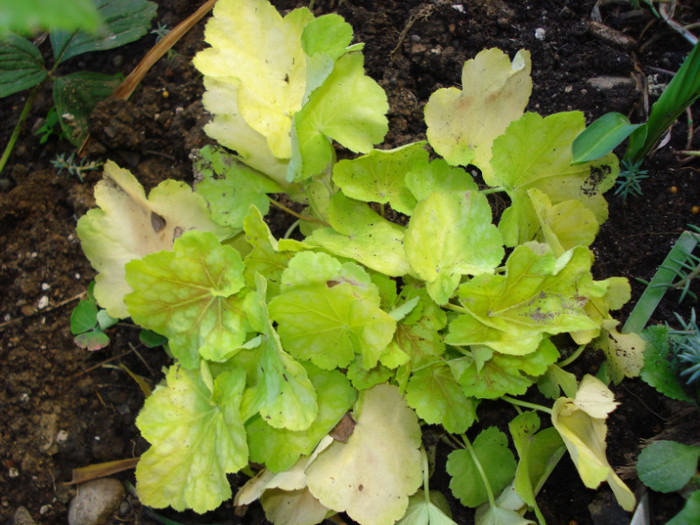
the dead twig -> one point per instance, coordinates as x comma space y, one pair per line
42, 311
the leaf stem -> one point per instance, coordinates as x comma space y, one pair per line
482, 473
295, 214
15, 132
456, 308
497, 189
573, 357
527, 404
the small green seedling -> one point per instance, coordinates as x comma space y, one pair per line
75, 168
88, 323
49, 127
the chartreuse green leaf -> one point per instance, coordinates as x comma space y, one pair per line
31, 16
230, 187
667, 466
538, 295
462, 124
124, 21
362, 379
283, 393
197, 438
21, 64
491, 450
601, 137
129, 226
189, 295
450, 234
372, 475
279, 449
624, 353
349, 107
438, 176
327, 312
535, 152
438, 399
581, 424
379, 176
359, 233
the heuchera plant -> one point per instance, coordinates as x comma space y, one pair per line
322, 358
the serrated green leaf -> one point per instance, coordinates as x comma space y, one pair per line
197, 438
189, 295
659, 370
83, 317
667, 466
555, 381
601, 137
124, 21
438, 399
438, 176
451, 235
624, 353
379, 176
21, 64
32, 16
491, 450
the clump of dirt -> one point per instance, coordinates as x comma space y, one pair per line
65, 407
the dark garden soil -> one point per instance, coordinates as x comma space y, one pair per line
62, 407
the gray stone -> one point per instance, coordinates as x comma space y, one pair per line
95, 502
22, 517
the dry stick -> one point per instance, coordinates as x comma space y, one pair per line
44, 311
127, 87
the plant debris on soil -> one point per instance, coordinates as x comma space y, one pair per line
63, 407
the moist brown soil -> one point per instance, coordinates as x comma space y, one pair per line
50, 387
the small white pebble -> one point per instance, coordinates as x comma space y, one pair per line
43, 302
34, 255
62, 436
568, 89
24, 397
540, 33
45, 286
6, 317
13, 473
77, 276
44, 509
97, 438
458, 7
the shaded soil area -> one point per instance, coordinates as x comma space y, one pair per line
62, 407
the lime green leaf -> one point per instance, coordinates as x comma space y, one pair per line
667, 466
659, 370
189, 296
279, 449
690, 513
491, 450
359, 233
581, 424
349, 107
32, 16
438, 399
363, 379
427, 511
328, 311
83, 317
538, 295
438, 176
379, 176
462, 125
230, 187
624, 352
76, 96
451, 235
21, 64
372, 475
128, 226
197, 438
124, 21
557, 380
601, 137
534, 152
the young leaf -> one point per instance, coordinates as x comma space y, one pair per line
128, 226
372, 475
76, 96
124, 21
189, 296
463, 124
197, 438
451, 235
21, 64
601, 137
83, 318
495, 515
667, 466
497, 461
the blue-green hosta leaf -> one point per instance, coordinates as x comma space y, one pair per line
280, 448
21, 64
538, 295
189, 295
197, 438
438, 399
328, 311
438, 176
491, 450
535, 152
349, 107
450, 235
379, 176
359, 233
124, 21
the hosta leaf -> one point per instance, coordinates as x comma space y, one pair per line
463, 124
128, 226
189, 296
372, 475
491, 450
379, 176
197, 438
124, 21
451, 235
21, 64
327, 312
538, 295
667, 466
76, 96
